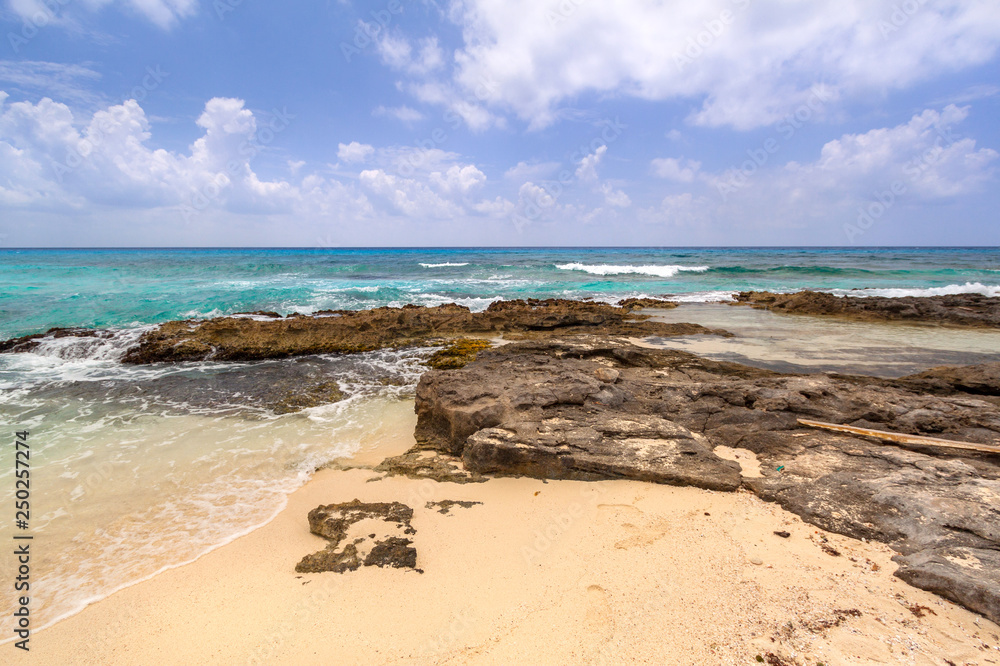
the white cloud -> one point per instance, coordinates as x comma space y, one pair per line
747, 63
407, 195
681, 171
615, 197
68, 82
402, 113
46, 163
397, 52
164, 13
922, 161
458, 179
926, 154
523, 171
586, 169
354, 151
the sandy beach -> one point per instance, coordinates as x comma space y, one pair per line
539, 572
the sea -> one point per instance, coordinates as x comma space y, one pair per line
138, 469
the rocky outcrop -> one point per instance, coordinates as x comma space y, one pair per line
973, 310
28, 343
640, 303
386, 546
591, 407
256, 336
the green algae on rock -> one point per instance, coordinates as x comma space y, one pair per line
457, 354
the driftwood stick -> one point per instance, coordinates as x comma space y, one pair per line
900, 438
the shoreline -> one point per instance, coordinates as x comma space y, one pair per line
569, 570
772, 582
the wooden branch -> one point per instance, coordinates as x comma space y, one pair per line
900, 438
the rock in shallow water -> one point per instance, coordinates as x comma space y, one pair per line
973, 310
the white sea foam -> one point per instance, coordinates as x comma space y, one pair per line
967, 288
197, 314
445, 264
101, 347
664, 271
473, 303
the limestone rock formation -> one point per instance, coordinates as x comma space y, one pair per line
973, 310
597, 408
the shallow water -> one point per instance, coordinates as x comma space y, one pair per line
137, 469
802, 343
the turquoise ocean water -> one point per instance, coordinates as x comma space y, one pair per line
137, 469
40, 289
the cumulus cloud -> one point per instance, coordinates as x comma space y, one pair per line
615, 197
745, 64
681, 171
459, 179
586, 169
924, 160
397, 52
53, 161
927, 155
354, 151
47, 163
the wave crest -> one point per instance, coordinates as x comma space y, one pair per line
654, 270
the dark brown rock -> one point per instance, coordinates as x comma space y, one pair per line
640, 303
424, 464
591, 407
444, 506
245, 338
935, 570
645, 448
389, 549
973, 310
28, 343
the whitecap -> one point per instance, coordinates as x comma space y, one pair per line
664, 271
967, 288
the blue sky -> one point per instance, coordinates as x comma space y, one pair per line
499, 122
